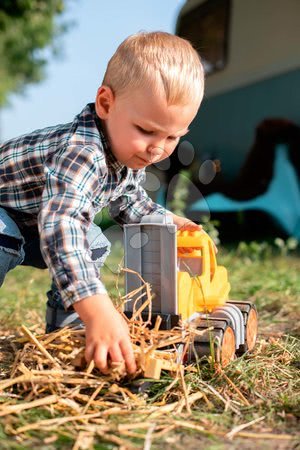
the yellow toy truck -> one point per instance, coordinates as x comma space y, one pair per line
188, 285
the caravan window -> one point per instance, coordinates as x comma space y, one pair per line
207, 26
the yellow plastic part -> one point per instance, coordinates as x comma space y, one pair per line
202, 284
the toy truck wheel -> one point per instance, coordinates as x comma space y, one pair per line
251, 329
223, 341
251, 325
227, 348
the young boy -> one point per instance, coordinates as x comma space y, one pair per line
53, 182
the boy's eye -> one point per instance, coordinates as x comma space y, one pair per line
142, 130
147, 132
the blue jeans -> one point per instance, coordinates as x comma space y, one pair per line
18, 249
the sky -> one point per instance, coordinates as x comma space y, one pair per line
71, 82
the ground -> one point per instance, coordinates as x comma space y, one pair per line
268, 380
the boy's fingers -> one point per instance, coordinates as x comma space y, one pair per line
89, 353
100, 359
190, 226
116, 354
128, 356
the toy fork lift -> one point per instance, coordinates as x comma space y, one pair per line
188, 285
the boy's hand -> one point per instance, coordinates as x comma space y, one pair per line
107, 334
186, 224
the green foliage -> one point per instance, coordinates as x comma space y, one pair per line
211, 227
26, 27
286, 246
179, 203
254, 251
180, 196
259, 251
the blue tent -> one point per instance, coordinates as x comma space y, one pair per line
281, 200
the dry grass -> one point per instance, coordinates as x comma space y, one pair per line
44, 375
253, 403
84, 405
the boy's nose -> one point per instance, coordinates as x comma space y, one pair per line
155, 152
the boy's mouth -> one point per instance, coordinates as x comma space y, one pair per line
144, 160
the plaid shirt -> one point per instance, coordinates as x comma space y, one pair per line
58, 178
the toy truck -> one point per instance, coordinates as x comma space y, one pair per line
188, 286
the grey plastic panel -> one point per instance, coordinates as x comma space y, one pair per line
169, 270
150, 250
132, 257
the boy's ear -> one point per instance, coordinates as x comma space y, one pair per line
104, 101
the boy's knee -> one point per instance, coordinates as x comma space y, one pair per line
11, 254
11, 244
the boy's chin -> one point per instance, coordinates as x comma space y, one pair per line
136, 167
137, 163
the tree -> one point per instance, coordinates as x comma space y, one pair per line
26, 28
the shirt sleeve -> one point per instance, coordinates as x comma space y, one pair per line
66, 213
135, 203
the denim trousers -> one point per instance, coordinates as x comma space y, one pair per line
17, 249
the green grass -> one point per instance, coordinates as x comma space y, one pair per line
268, 379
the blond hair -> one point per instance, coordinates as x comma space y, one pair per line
157, 60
